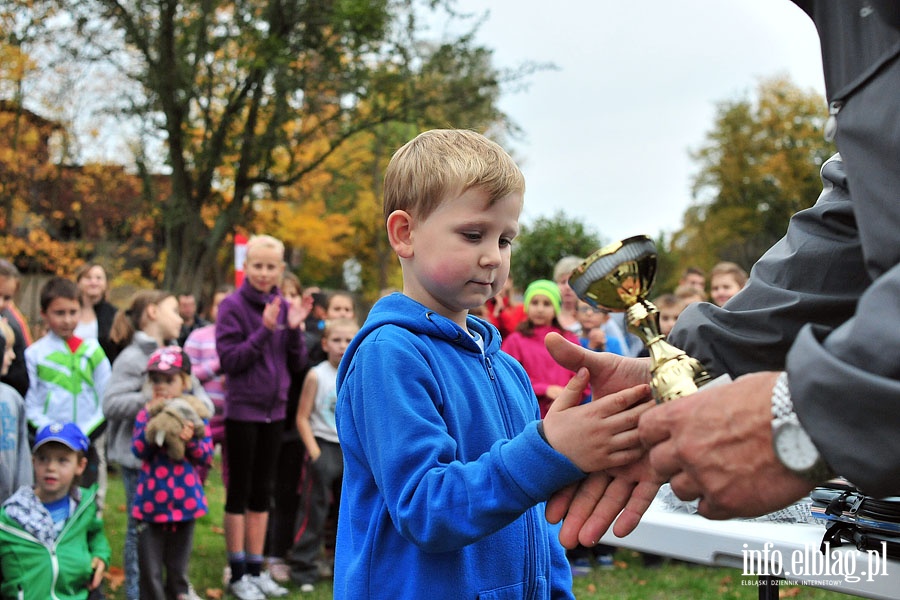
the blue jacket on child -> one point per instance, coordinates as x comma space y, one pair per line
445, 473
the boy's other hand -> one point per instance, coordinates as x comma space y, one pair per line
591, 505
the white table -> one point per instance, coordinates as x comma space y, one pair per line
767, 553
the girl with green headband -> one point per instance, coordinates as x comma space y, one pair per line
542, 305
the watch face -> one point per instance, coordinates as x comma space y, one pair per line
794, 447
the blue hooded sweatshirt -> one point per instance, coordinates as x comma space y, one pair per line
445, 473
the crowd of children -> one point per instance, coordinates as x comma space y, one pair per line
424, 436
151, 399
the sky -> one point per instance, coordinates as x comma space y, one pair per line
608, 135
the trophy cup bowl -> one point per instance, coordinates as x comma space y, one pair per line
618, 278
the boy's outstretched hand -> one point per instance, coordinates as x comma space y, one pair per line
622, 494
601, 434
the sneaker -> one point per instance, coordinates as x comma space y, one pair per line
244, 589
606, 561
265, 584
192, 593
307, 588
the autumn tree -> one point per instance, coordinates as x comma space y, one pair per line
758, 166
54, 216
247, 100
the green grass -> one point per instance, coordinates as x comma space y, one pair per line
628, 580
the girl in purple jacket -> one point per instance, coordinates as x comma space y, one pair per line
259, 340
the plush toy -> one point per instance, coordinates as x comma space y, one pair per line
167, 420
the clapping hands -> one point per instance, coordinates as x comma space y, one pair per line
296, 312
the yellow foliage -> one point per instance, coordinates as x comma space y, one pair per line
39, 253
307, 226
14, 64
130, 278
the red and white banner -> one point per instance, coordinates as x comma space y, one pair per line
240, 255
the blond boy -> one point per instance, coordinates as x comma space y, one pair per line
447, 465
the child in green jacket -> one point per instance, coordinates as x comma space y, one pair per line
52, 543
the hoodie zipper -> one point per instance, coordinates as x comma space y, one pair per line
498, 394
490, 368
530, 527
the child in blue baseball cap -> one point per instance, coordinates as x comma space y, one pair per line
52, 543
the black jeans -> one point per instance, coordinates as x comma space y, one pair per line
164, 547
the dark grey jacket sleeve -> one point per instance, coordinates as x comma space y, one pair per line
834, 281
814, 274
813, 307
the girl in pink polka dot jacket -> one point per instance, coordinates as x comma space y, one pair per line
169, 494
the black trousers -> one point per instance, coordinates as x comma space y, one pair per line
164, 552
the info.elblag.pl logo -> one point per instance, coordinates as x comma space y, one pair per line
813, 563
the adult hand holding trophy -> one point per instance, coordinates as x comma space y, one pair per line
618, 277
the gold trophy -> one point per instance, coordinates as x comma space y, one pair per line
618, 278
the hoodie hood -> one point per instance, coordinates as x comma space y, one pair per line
404, 312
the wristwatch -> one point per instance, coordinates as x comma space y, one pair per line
793, 446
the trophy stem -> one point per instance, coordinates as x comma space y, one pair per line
643, 321
674, 374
